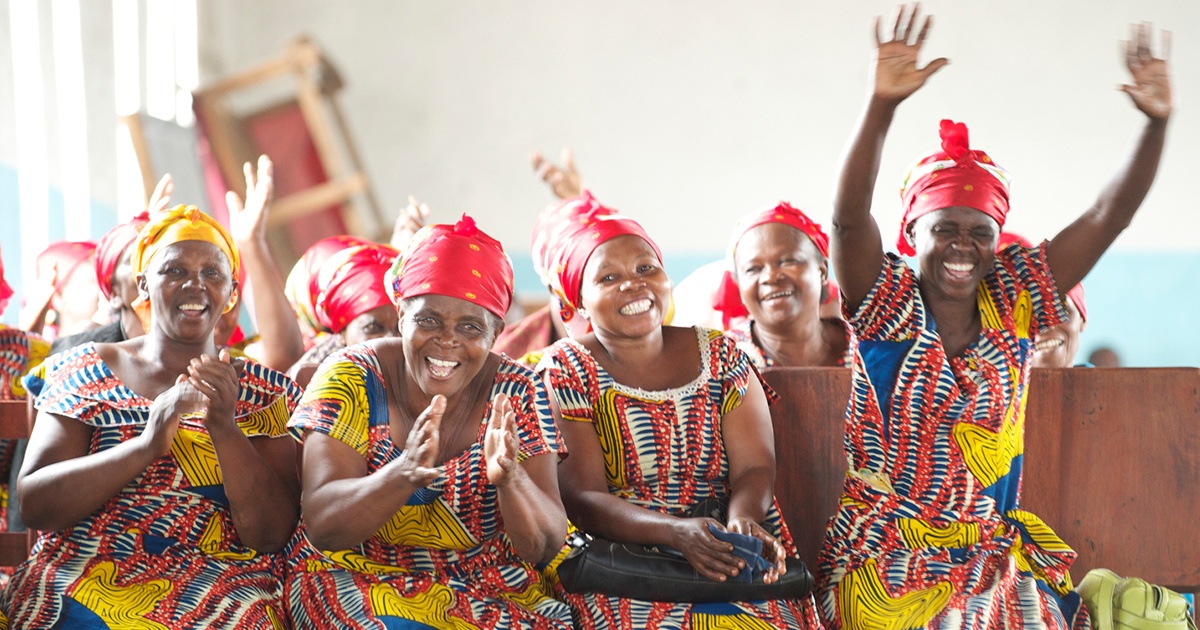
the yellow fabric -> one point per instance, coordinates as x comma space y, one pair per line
182, 223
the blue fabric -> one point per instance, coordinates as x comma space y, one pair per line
749, 549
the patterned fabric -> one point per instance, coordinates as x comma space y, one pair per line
351, 283
570, 262
443, 559
930, 530
527, 340
664, 451
164, 552
743, 334
20, 352
112, 248
324, 346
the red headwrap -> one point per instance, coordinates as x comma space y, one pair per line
555, 223
5, 290
302, 288
112, 248
459, 261
1076, 296
63, 257
351, 283
728, 298
567, 272
956, 176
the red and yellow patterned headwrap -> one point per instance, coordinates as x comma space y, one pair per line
555, 226
459, 261
112, 248
956, 176
302, 287
573, 256
182, 223
352, 283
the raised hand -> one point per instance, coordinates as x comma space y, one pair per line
216, 378
181, 399
564, 181
408, 221
418, 462
161, 197
249, 222
773, 550
896, 73
1151, 88
500, 442
711, 557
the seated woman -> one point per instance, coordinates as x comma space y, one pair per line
153, 470
659, 420
778, 275
443, 451
353, 304
930, 531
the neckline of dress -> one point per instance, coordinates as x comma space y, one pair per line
659, 395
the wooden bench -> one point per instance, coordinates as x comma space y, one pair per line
16, 421
1112, 463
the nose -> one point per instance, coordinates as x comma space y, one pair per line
633, 284
770, 273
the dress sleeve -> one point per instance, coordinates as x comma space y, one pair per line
337, 403
1027, 272
733, 369
561, 366
266, 401
536, 431
889, 312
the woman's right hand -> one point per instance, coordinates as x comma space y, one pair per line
896, 74
711, 557
418, 463
165, 411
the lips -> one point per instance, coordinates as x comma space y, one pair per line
959, 271
193, 308
777, 295
1045, 345
441, 368
637, 308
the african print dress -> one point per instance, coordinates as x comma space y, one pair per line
669, 456
443, 560
164, 552
743, 333
930, 531
20, 352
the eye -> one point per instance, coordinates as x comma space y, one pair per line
752, 270
646, 268
427, 323
982, 233
471, 329
612, 277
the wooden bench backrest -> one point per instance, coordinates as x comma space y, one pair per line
15, 422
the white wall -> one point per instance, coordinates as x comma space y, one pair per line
685, 114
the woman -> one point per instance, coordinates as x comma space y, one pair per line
153, 469
442, 450
929, 530
64, 297
353, 303
778, 275
660, 420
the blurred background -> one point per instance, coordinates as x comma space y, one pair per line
681, 114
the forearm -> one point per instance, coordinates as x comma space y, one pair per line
59, 495
264, 507
535, 522
1124, 194
860, 165
615, 518
372, 499
273, 315
750, 493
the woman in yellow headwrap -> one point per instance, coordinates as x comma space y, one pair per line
153, 468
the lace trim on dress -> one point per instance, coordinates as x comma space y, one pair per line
674, 393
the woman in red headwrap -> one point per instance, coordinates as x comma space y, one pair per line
64, 297
777, 274
660, 421
353, 304
154, 470
442, 451
929, 531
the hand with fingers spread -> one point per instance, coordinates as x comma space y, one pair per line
161, 197
179, 400
711, 557
408, 221
418, 463
563, 180
500, 442
216, 378
896, 73
772, 550
1151, 87
248, 223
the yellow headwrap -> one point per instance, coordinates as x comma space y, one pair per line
181, 223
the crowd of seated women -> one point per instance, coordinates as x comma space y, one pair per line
388, 453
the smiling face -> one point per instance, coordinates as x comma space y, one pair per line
446, 342
780, 274
625, 290
189, 284
1057, 345
381, 321
955, 250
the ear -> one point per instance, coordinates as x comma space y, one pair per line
142, 286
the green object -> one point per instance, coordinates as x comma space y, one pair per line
1128, 603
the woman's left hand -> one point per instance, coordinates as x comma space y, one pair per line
217, 379
773, 550
1151, 89
500, 442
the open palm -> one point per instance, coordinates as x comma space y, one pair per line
1151, 88
896, 73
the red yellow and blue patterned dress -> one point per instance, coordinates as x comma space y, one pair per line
164, 552
667, 455
443, 560
743, 334
930, 531
20, 352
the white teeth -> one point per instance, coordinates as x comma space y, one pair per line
1047, 344
636, 308
191, 307
959, 267
440, 368
441, 363
779, 294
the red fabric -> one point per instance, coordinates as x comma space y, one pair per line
302, 286
1075, 294
1008, 238
459, 261
63, 257
352, 284
112, 247
554, 226
956, 176
573, 256
728, 298
5, 290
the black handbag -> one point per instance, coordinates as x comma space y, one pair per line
663, 574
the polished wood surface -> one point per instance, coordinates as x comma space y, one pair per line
1112, 463
15, 422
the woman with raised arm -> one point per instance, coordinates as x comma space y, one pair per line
154, 470
429, 461
929, 530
